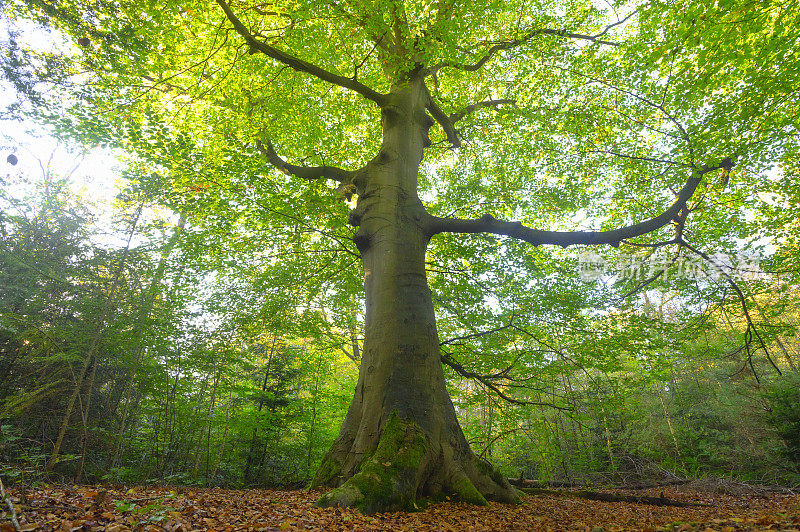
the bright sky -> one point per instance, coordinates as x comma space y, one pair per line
94, 174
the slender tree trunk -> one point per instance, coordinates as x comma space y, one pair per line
251, 454
354, 339
400, 437
168, 425
564, 445
85, 422
93, 346
788, 358
582, 442
669, 422
192, 447
207, 426
314, 400
227, 424
609, 448
144, 313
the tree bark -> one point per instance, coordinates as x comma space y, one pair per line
400, 438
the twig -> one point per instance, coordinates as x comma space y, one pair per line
10, 507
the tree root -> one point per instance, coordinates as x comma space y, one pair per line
404, 465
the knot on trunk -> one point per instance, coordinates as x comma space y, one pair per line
354, 219
362, 241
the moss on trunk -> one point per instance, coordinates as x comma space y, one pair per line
387, 480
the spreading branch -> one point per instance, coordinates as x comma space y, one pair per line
447, 124
489, 224
468, 110
752, 331
258, 46
470, 336
507, 45
645, 283
311, 173
486, 381
448, 121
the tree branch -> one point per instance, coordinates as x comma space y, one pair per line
448, 121
751, 327
297, 63
478, 334
488, 224
643, 284
311, 173
461, 370
7, 500
637, 158
455, 117
499, 47
447, 124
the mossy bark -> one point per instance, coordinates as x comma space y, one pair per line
404, 467
400, 438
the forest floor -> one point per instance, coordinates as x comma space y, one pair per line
185, 509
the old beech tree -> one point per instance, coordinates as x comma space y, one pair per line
646, 107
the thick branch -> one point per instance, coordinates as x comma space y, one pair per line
447, 124
297, 63
488, 224
310, 173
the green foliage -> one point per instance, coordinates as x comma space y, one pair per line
783, 399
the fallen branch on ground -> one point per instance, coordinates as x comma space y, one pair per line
10, 504
606, 497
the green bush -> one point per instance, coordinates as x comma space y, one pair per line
783, 399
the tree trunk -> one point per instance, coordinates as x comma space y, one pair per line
313, 425
251, 454
221, 452
94, 346
400, 438
206, 428
144, 314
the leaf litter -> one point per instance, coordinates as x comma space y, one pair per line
188, 509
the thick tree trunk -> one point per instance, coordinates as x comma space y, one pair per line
400, 438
